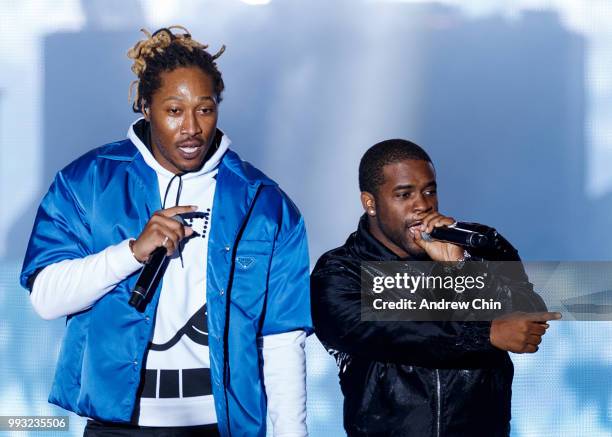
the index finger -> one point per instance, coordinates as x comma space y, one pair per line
434, 220
170, 212
543, 316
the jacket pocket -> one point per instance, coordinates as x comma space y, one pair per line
251, 266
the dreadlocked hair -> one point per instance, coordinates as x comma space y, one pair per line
165, 51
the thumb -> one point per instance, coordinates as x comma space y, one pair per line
413, 234
417, 237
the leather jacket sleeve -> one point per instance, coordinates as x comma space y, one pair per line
504, 264
336, 311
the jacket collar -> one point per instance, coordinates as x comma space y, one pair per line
245, 171
366, 247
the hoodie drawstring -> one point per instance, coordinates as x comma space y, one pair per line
176, 203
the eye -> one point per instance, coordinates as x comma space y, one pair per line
404, 194
207, 110
430, 193
174, 110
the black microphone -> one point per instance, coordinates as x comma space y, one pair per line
151, 273
456, 235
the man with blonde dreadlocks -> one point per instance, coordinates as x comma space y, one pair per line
220, 343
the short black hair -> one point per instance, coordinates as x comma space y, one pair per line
165, 51
383, 153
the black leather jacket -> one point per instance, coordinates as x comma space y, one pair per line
416, 379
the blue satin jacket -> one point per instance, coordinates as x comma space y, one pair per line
257, 282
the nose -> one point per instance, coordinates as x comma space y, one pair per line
190, 124
421, 204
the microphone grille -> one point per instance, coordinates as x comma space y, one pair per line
179, 219
425, 236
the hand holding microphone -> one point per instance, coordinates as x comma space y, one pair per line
162, 231
437, 250
159, 239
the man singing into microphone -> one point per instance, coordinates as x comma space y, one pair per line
220, 342
416, 379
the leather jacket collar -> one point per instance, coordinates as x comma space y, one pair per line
363, 244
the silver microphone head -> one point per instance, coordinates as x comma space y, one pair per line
426, 237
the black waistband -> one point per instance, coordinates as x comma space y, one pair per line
193, 382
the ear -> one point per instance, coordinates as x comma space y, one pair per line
369, 203
146, 111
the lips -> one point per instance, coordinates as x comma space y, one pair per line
415, 224
190, 149
413, 227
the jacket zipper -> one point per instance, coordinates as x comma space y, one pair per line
438, 403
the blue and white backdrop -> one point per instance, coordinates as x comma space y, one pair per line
513, 100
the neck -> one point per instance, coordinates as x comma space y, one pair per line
377, 233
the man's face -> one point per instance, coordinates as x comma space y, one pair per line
406, 196
183, 116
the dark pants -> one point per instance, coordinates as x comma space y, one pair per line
98, 429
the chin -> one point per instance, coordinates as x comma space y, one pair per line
190, 166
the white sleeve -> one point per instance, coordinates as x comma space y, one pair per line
74, 285
284, 370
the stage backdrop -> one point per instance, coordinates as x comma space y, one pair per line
513, 100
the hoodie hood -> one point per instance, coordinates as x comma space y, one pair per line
209, 166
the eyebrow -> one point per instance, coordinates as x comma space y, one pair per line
214, 100
412, 187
